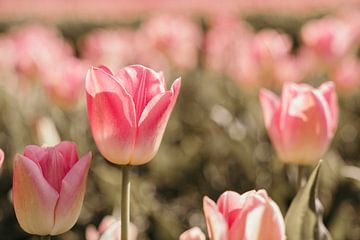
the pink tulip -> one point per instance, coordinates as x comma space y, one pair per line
329, 38
64, 82
346, 75
165, 39
194, 233
49, 187
113, 48
265, 61
128, 112
302, 122
109, 227
252, 215
2, 156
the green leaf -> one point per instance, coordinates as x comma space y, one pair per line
304, 217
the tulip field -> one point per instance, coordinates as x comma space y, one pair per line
164, 121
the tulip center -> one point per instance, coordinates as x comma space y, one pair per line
54, 168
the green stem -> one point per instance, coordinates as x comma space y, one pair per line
301, 177
125, 203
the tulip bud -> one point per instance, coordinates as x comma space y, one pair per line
48, 188
128, 112
252, 215
302, 122
194, 233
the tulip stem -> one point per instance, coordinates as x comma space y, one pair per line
301, 177
125, 203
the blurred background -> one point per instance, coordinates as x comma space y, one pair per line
215, 140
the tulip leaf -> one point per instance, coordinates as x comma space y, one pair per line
304, 217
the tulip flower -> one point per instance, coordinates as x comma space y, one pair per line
128, 112
109, 228
252, 215
2, 155
302, 122
194, 233
346, 75
49, 187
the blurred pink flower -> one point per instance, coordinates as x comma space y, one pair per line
128, 112
38, 47
302, 122
49, 187
194, 233
7, 53
329, 38
252, 215
113, 48
346, 75
109, 227
64, 82
265, 61
226, 34
165, 41
2, 156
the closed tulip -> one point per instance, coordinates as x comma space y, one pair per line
302, 122
128, 112
48, 188
252, 215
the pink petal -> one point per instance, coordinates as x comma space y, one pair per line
230, 204
216, 225
269, 104
35, 153
112, 122
152, 125
194, 233
327, 89
69, 152
2, 156
34, 198
304, 129
71, 196
91, 233
142, 83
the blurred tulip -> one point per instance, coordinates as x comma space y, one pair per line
194, 233
48, 188
38, 47
265, 61
329, 38
252, 215
302, 122
166, 39
128, 112
226, 34
2, 156
109, 229
346, 75
113, 48
64, 82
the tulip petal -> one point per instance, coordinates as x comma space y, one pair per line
2, 155
142, 83
216, 225
269, 105
230, 205
194, 233
71, 196
152, 125
305, 128
35, 153
328, 91
34, 198
69, 151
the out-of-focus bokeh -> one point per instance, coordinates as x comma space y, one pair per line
215, 140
